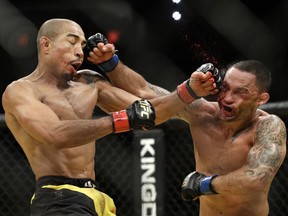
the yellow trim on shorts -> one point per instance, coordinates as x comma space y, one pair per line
32, 198
104, 205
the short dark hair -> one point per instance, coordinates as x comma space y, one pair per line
262, 73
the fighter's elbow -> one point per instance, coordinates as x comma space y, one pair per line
57, 140
258, 182
56, 137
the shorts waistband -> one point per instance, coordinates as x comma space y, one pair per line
60, 180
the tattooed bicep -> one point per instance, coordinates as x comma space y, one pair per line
158, 90
269, 149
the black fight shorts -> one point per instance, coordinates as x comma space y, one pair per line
59, 196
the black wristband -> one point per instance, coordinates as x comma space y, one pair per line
191, 92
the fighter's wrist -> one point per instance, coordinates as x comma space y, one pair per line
110, 64
120, 121
206, 187
185, 92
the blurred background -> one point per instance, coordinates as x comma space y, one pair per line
163, 49
165, 41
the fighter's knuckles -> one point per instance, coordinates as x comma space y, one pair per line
109, 47
101, 46
95, 59
197, 74
99, 53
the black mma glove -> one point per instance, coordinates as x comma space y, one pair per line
196, 184
218, 77
139, 115
215, 72
92, 42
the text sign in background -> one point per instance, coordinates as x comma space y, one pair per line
148, 150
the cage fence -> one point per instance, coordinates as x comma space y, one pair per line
115, 174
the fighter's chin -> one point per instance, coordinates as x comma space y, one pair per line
227, 116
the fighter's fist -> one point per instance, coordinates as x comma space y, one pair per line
104, 57
217, 75
204, 82
196, 184
139, 115
199, 85
93, 41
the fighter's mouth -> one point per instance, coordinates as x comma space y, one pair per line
227, 108
76, 65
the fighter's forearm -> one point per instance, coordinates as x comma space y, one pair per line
167, 106
125, 78
239, 182
71, 133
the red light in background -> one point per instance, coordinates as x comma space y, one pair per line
113, 36
23, 40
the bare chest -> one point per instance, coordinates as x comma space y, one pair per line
218, 153
75, 102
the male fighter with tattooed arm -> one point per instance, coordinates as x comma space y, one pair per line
238, 147
50, 113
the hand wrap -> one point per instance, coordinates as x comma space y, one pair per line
92, 42
139, 115
196, 184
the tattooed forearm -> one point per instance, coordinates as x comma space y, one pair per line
268, 152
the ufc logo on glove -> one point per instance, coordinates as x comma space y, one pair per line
145, 109
139, 115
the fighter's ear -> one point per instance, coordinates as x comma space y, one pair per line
264, 97
44, 44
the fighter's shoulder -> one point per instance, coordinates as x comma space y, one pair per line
198, 110
204, 105
265, 116
16, 91
18, 86
89, 76
270, 122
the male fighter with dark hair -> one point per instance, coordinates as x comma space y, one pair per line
238, 147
